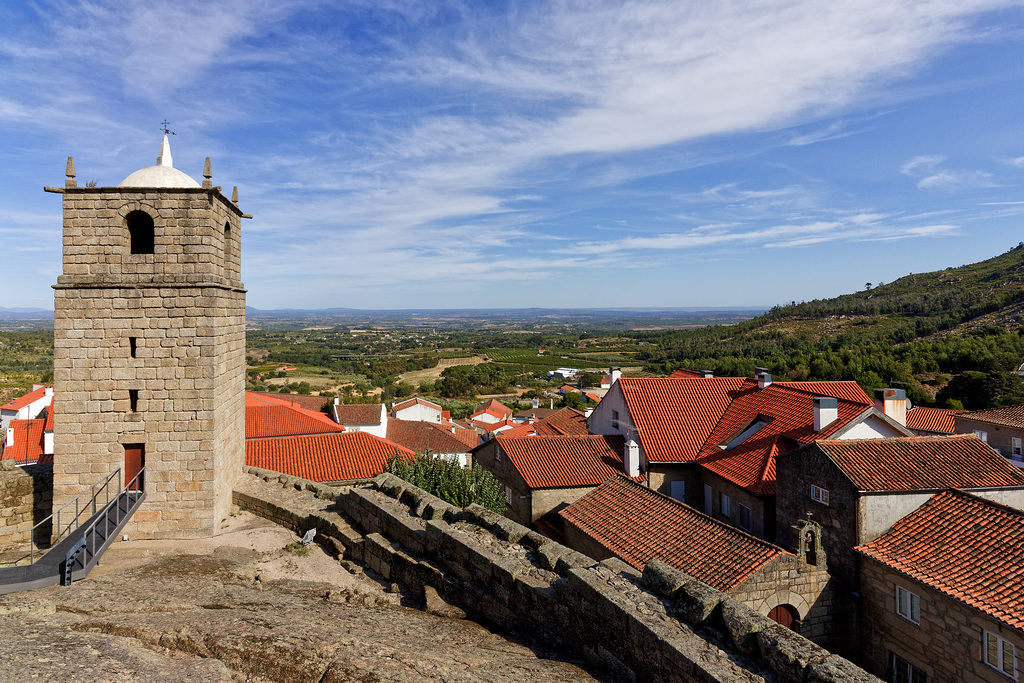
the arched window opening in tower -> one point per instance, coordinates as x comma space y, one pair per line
141, 232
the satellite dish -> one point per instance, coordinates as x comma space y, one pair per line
307, 537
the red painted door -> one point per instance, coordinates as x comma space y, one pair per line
134, 461
783, 614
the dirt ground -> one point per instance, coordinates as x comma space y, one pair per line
417, 376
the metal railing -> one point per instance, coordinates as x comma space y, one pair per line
93, 492
86, 552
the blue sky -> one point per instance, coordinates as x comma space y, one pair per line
511, 154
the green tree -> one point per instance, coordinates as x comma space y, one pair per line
450, 482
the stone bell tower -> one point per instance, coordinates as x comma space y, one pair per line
149, 346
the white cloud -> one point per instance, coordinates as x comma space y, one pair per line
932, 176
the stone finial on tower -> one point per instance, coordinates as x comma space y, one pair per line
69, 171
207, 174
234, 195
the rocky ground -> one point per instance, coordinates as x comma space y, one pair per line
247, 605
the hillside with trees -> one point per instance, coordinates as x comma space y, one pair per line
951, 337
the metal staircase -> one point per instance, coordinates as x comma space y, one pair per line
83, 529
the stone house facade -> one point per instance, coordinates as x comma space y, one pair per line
954, 615
857, 489
149, 346
1000, 428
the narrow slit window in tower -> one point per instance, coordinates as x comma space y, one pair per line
227, 247
132, 344
141, 232
133, 399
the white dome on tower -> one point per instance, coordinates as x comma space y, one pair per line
162, 175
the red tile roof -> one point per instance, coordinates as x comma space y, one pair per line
562, 422
358, 413
324, 457
408, 403
314, 403
28, 443
27, 399
495, 408
262, 422
966, 547
787, 410
638, 525
1010, 416
937, 420
428, 437
921, 462
495, 426
674, 417
683, 373
563, 461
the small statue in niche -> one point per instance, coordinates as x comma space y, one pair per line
809, 547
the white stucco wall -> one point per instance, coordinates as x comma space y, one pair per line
883, 510
419, 413
871, 428
600, 421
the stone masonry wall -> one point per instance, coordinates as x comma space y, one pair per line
660, 625
185, 308
25, 500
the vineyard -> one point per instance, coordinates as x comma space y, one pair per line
534, 361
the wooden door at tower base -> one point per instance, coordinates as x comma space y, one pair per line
134, 461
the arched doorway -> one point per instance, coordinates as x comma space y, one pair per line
787, 616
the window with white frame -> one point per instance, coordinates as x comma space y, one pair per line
508, 496
981, 434
999, 654
1018, 455
905, 672
497, 452
819, 494
744, 521
908, 605
724, 505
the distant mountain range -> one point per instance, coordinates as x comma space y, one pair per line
25, 313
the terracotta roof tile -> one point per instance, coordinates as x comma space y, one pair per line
562, 422
324, 457
564, 461
675, 416
966, 547
683, 373
314, 403
28, 443
787, 411
921, 462
638, 525
269, 421
408, 403
1010, 416
27, 399
428, 437
495, 408
358, 413
937, 420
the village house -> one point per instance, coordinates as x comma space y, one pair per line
28, 442
491, 412
712, 441
943, 593
541, 474
362, 417
858, 489
451, 442
418, 410
26, 407
1001, 428
624, 519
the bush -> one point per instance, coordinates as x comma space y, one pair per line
450, 482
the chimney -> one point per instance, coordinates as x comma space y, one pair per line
614, 374
552, 404
892, 402
587, 412
631, 458
535, 403
707, 374
10, 437
826, 411
763, 378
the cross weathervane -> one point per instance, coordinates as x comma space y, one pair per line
164, 125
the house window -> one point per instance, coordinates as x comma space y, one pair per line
132, 345
999, 654
724, 505
497, 453
981, 434
819, 494
508, 496
905, 672
1017, 450
141, 232
908, 605
744, 517
615, 419
133, 399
